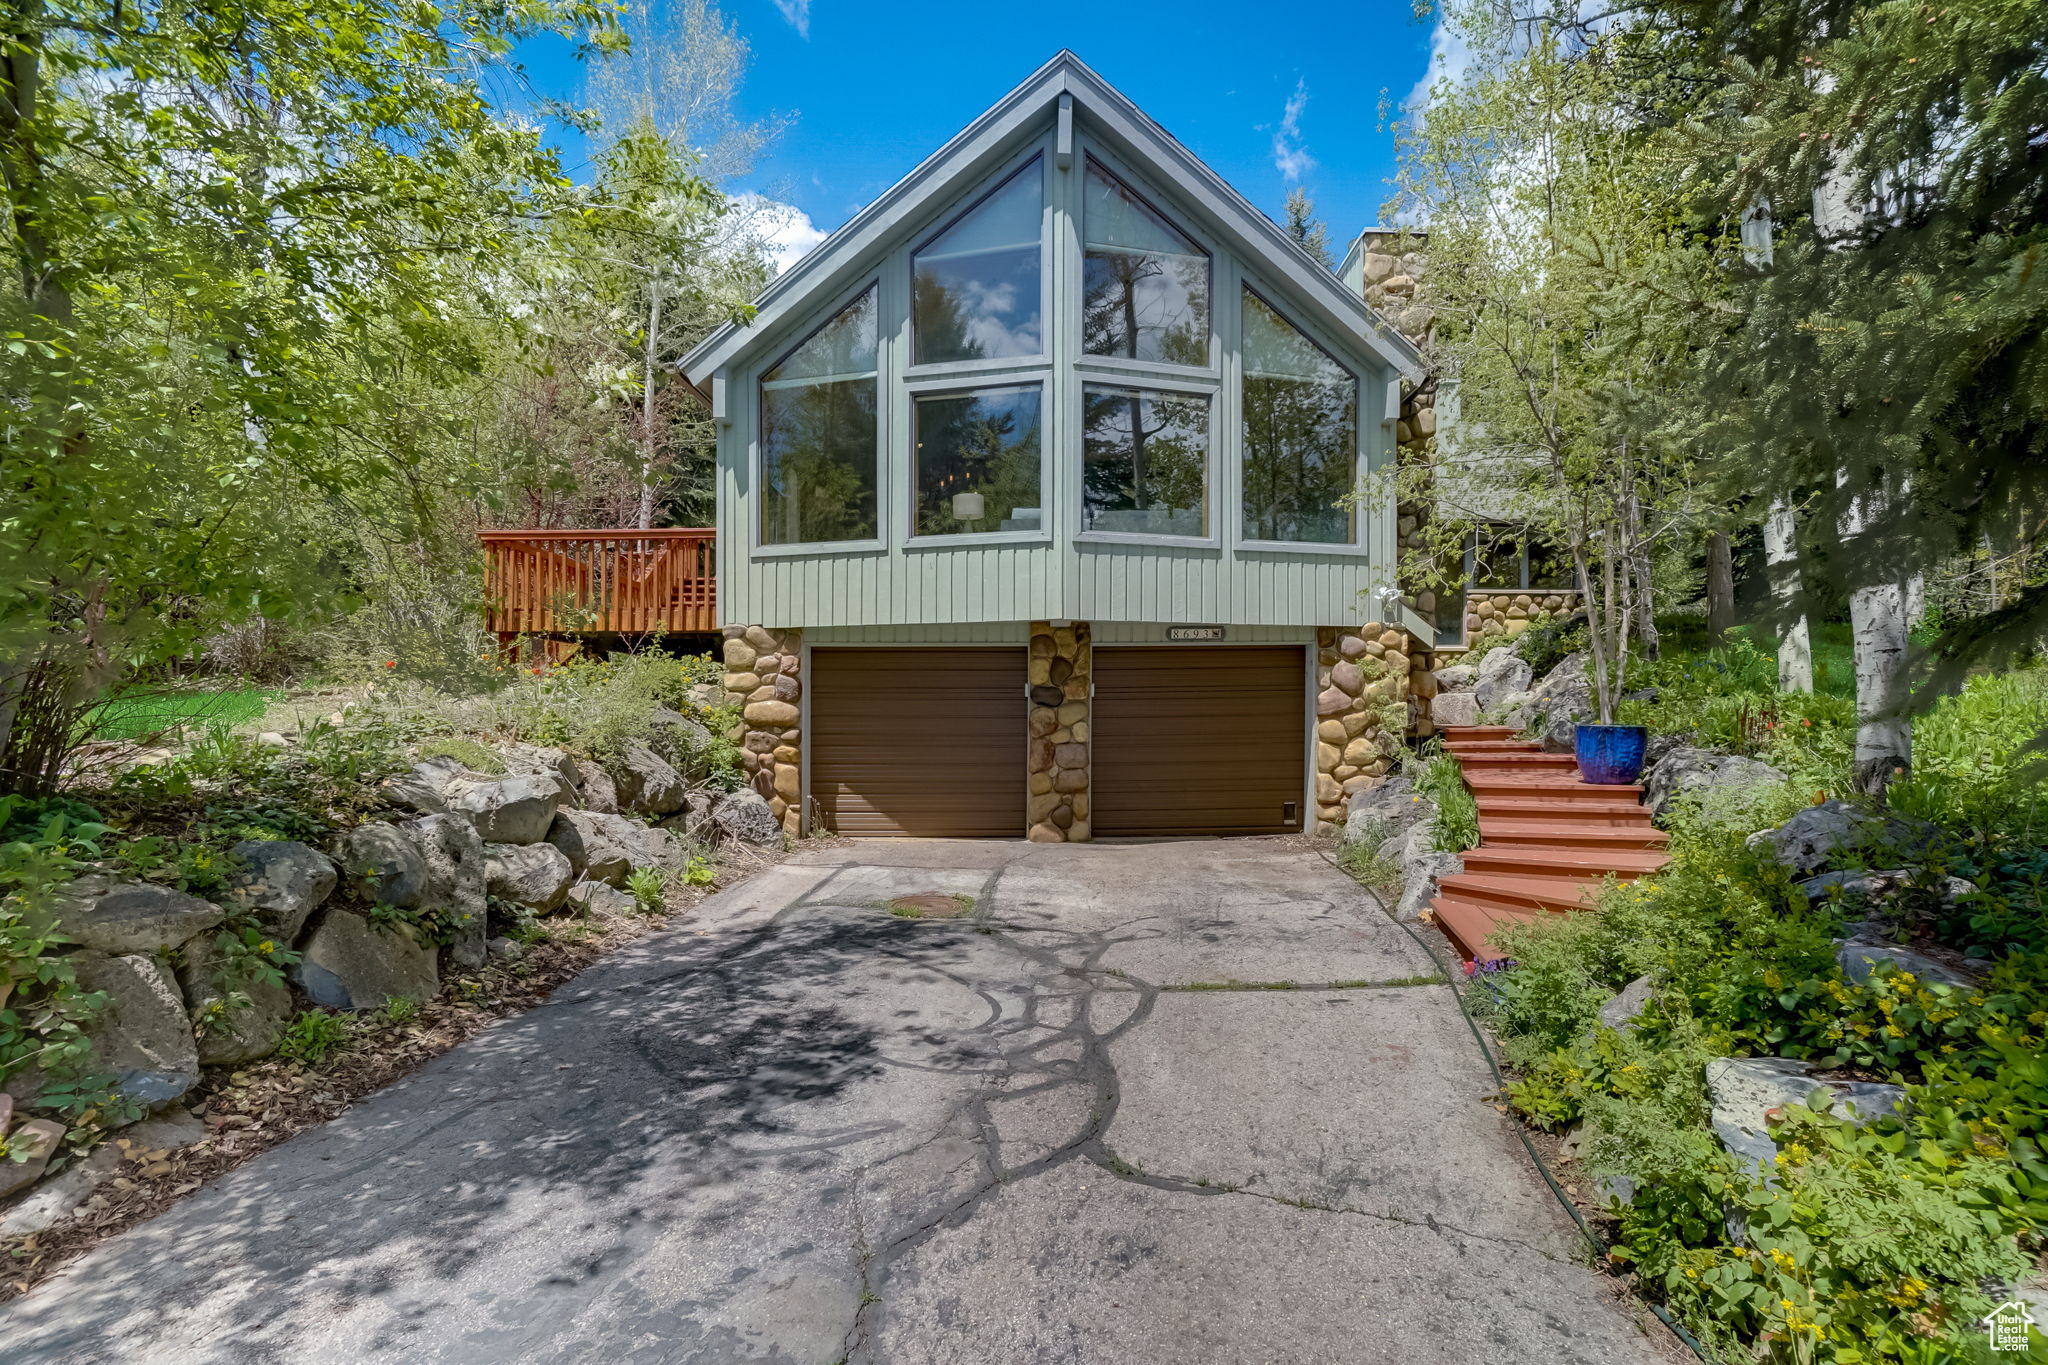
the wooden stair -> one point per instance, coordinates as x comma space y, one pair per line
1547, 839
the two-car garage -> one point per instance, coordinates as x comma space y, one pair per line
931, 741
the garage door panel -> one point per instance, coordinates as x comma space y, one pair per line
926, 742
1206, 741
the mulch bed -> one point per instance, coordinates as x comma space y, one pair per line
254, 1107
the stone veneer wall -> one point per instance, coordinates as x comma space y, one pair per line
1396, 287
1062, 667
1362, 691
763, 668
1495, 617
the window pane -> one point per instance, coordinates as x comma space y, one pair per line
974, 288
1549, 566
1145, 285
818, 435
1144, 461
1300, 434
977, 462
1497, 561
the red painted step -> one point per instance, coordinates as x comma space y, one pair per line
1519, 761
1540, 860
1566, 833
1468, 926
1453, 733
1522, 892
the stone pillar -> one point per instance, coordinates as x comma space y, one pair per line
1397, 287
1062, 670
763, 671
1362, 689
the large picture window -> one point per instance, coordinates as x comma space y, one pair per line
1300, 434
1145, 285
976, 466
818, 435
1144, 461
975, 288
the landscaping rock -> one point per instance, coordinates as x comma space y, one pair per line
113, 917
1457, 678
599, 792
63, 1194
235, 1020
1420, 877
693, 822
284, 882
506, 949
685, 736
384, 866
1834, 830
512, 810
1865, 951
1454, 708
1500, 672
458, 871
595, 898
545, 761
533, 875
351, 964
431, 785
1746, 1091
744, 816
653, 847
1391, 800
1556, 706
1621, 1012
594, 844
30, 1147
647, 783
1874, 885
1726, 783
142, 1035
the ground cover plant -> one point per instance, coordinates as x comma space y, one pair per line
1884, 1241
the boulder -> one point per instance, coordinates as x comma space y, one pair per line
283, 882
1420, 877
647, 846
235, 1019
646, 782
1557, 705
744, 816
512, 810
1874, 885
1454, 708
1722, 783
1457, 678
506, 949
1833, 831
431, 785
682, 736
384, 866
1747, 1091
1500, 672
1866, 952
543, 760
693, 822
63, 1194
142, 1034
536, 876
351, 964
595, 898
29, 1149
113, 917
457, 874
1620, 1013
599, 792
594, 844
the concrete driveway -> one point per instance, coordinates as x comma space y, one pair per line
1068, 1127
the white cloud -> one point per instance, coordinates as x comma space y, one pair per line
798, 13
1290, 157
784, 231
1450, 58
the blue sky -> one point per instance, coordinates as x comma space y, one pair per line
1270, 99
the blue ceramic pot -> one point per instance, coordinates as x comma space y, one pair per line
1611, 755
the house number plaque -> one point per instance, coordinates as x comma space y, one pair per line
1194, 632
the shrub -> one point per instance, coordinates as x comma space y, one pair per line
648, 886
1439, 777
312, 1035
1548, 640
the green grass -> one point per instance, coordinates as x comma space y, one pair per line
144, 714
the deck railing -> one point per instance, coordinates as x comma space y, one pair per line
633, 582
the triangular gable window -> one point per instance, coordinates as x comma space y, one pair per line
975, 288
1145, 284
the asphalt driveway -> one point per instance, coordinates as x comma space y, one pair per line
1073, 1125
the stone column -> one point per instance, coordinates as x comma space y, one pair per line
763, 671
1062, 668
1362, 690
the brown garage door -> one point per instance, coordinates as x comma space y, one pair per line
1199, 741
919, 741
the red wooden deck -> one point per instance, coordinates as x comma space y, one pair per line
1546, 838
629, 582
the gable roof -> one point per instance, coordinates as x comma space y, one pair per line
1150, 146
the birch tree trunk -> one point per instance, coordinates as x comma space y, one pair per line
1880, 625
1795, 644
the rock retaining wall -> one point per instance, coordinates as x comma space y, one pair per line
1494, 618
1363, 677
764, 670
1061, 677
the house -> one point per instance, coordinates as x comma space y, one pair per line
1046, 504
